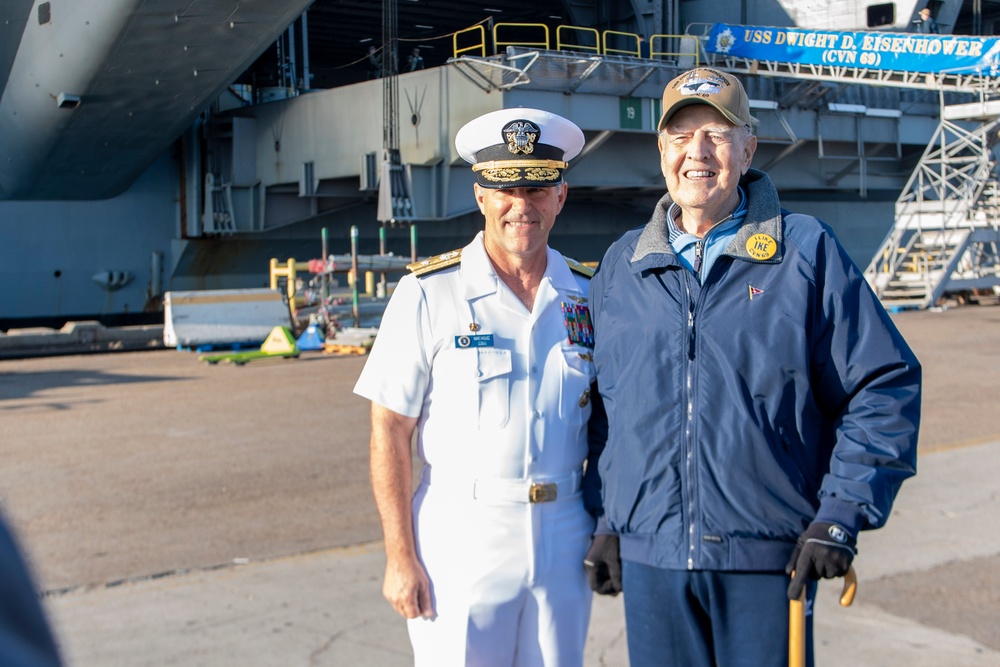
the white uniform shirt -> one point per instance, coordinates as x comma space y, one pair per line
514, 403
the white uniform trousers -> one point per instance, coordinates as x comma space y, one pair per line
507, 579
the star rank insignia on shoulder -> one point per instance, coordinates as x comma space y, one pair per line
436, 263
580, 268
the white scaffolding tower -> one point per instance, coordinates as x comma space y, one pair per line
946, 234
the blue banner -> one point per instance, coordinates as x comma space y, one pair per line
945, 54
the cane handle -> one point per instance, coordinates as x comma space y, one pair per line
850, 588
797, 619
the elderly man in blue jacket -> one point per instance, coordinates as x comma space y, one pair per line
762, 407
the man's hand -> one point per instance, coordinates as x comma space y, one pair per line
823, 551
406, 585
407, 588
604, 566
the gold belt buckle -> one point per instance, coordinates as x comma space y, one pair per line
542, 493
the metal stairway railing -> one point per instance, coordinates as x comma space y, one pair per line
944, 216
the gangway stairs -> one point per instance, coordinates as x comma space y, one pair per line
946, 234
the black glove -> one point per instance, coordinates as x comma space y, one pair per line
823, 551
604, 565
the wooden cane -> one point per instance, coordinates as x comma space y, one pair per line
797, 630
797, 619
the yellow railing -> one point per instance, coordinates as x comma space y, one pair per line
573, 38
288, 273
289, 270
578, 36
541, 28
658, 40
480, 45
628, 39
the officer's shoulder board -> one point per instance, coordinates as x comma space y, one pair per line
435, 263
579, 267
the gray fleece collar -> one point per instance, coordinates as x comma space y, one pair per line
759, 238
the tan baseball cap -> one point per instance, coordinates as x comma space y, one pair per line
705, 85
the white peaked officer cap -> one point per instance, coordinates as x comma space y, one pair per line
519, 148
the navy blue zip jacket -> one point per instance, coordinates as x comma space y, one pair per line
775, 393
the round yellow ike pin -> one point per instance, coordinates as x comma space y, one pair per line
761, 246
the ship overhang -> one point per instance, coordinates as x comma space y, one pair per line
97, 89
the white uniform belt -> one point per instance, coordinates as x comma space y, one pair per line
528, 490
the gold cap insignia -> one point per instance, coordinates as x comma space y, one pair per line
521, 137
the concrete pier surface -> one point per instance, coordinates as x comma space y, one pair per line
177, 513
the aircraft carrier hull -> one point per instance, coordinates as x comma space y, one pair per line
252, 178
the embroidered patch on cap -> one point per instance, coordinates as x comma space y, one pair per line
702, 85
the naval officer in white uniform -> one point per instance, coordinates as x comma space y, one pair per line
486, 353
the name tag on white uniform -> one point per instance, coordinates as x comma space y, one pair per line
479, 340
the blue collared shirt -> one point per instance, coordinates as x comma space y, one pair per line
688, 246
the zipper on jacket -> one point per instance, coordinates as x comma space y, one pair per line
698, 251
690, 334
689, 418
